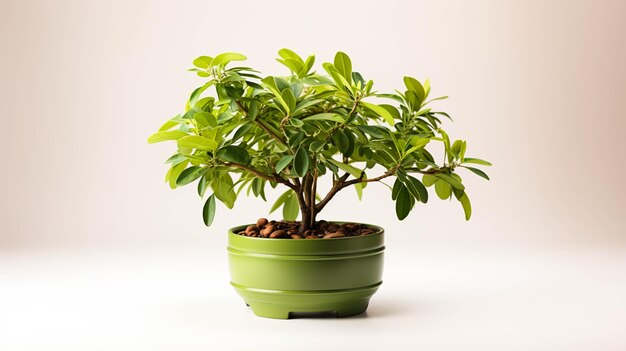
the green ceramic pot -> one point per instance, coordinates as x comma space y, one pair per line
276, 277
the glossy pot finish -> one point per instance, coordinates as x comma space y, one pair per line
278, 276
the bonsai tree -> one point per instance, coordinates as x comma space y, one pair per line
289, 131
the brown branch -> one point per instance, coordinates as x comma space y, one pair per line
354, 106
261, 124
368, 180
335, 188
306, 187
271, 178
312, 201
428, 171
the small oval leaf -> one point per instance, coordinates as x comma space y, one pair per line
208, 211
226, 57
202, 61
381, 111
478, 172
232, 153
403, 203
341, 141
332, 117
168, 135
197, 142
189, 175
344, 65
291, 208
301, 162
443, 190
283, 162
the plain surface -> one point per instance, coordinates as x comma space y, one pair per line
96, 253
437, 298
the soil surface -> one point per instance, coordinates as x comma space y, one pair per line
289, 230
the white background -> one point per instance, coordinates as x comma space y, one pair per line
97, 253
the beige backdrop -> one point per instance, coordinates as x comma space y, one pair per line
536, 87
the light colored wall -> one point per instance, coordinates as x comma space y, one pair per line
537, 87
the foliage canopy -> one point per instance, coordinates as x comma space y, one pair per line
291, 130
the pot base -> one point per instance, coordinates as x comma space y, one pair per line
280, 304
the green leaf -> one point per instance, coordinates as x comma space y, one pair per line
371, 130
291, 208
462, 151
224, 190
317, 145
289, 99
477, 171
341, 141
415, 86
283, 162
189, 175
359, 189
202, 185
208, 211
379, 110
417, 143
203, 61
281, 200
429, 179
403, 203
467, 206
446, 144
163, 136
308, 64
294, 66
232, 153
258, 188
344, 66
455, 149
223, 59
288, 54
450, 180
243, 130
176, 159
270, 83
295, 139
195, 95
253, 110
435, 99
397, 185
301, 162
476, 161
174, 172
296, 122
333, 117
205, 119
416, 188
197, 142
169, 124
355, 172
443, 190
303, 104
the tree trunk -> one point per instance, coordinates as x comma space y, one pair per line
306, 220
307, 208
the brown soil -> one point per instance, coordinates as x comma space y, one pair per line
289, 230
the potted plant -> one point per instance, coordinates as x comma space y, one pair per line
258, 131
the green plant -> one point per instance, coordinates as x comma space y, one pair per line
292, 130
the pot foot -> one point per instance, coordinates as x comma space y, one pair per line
269, 311
345, 309
352, 309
